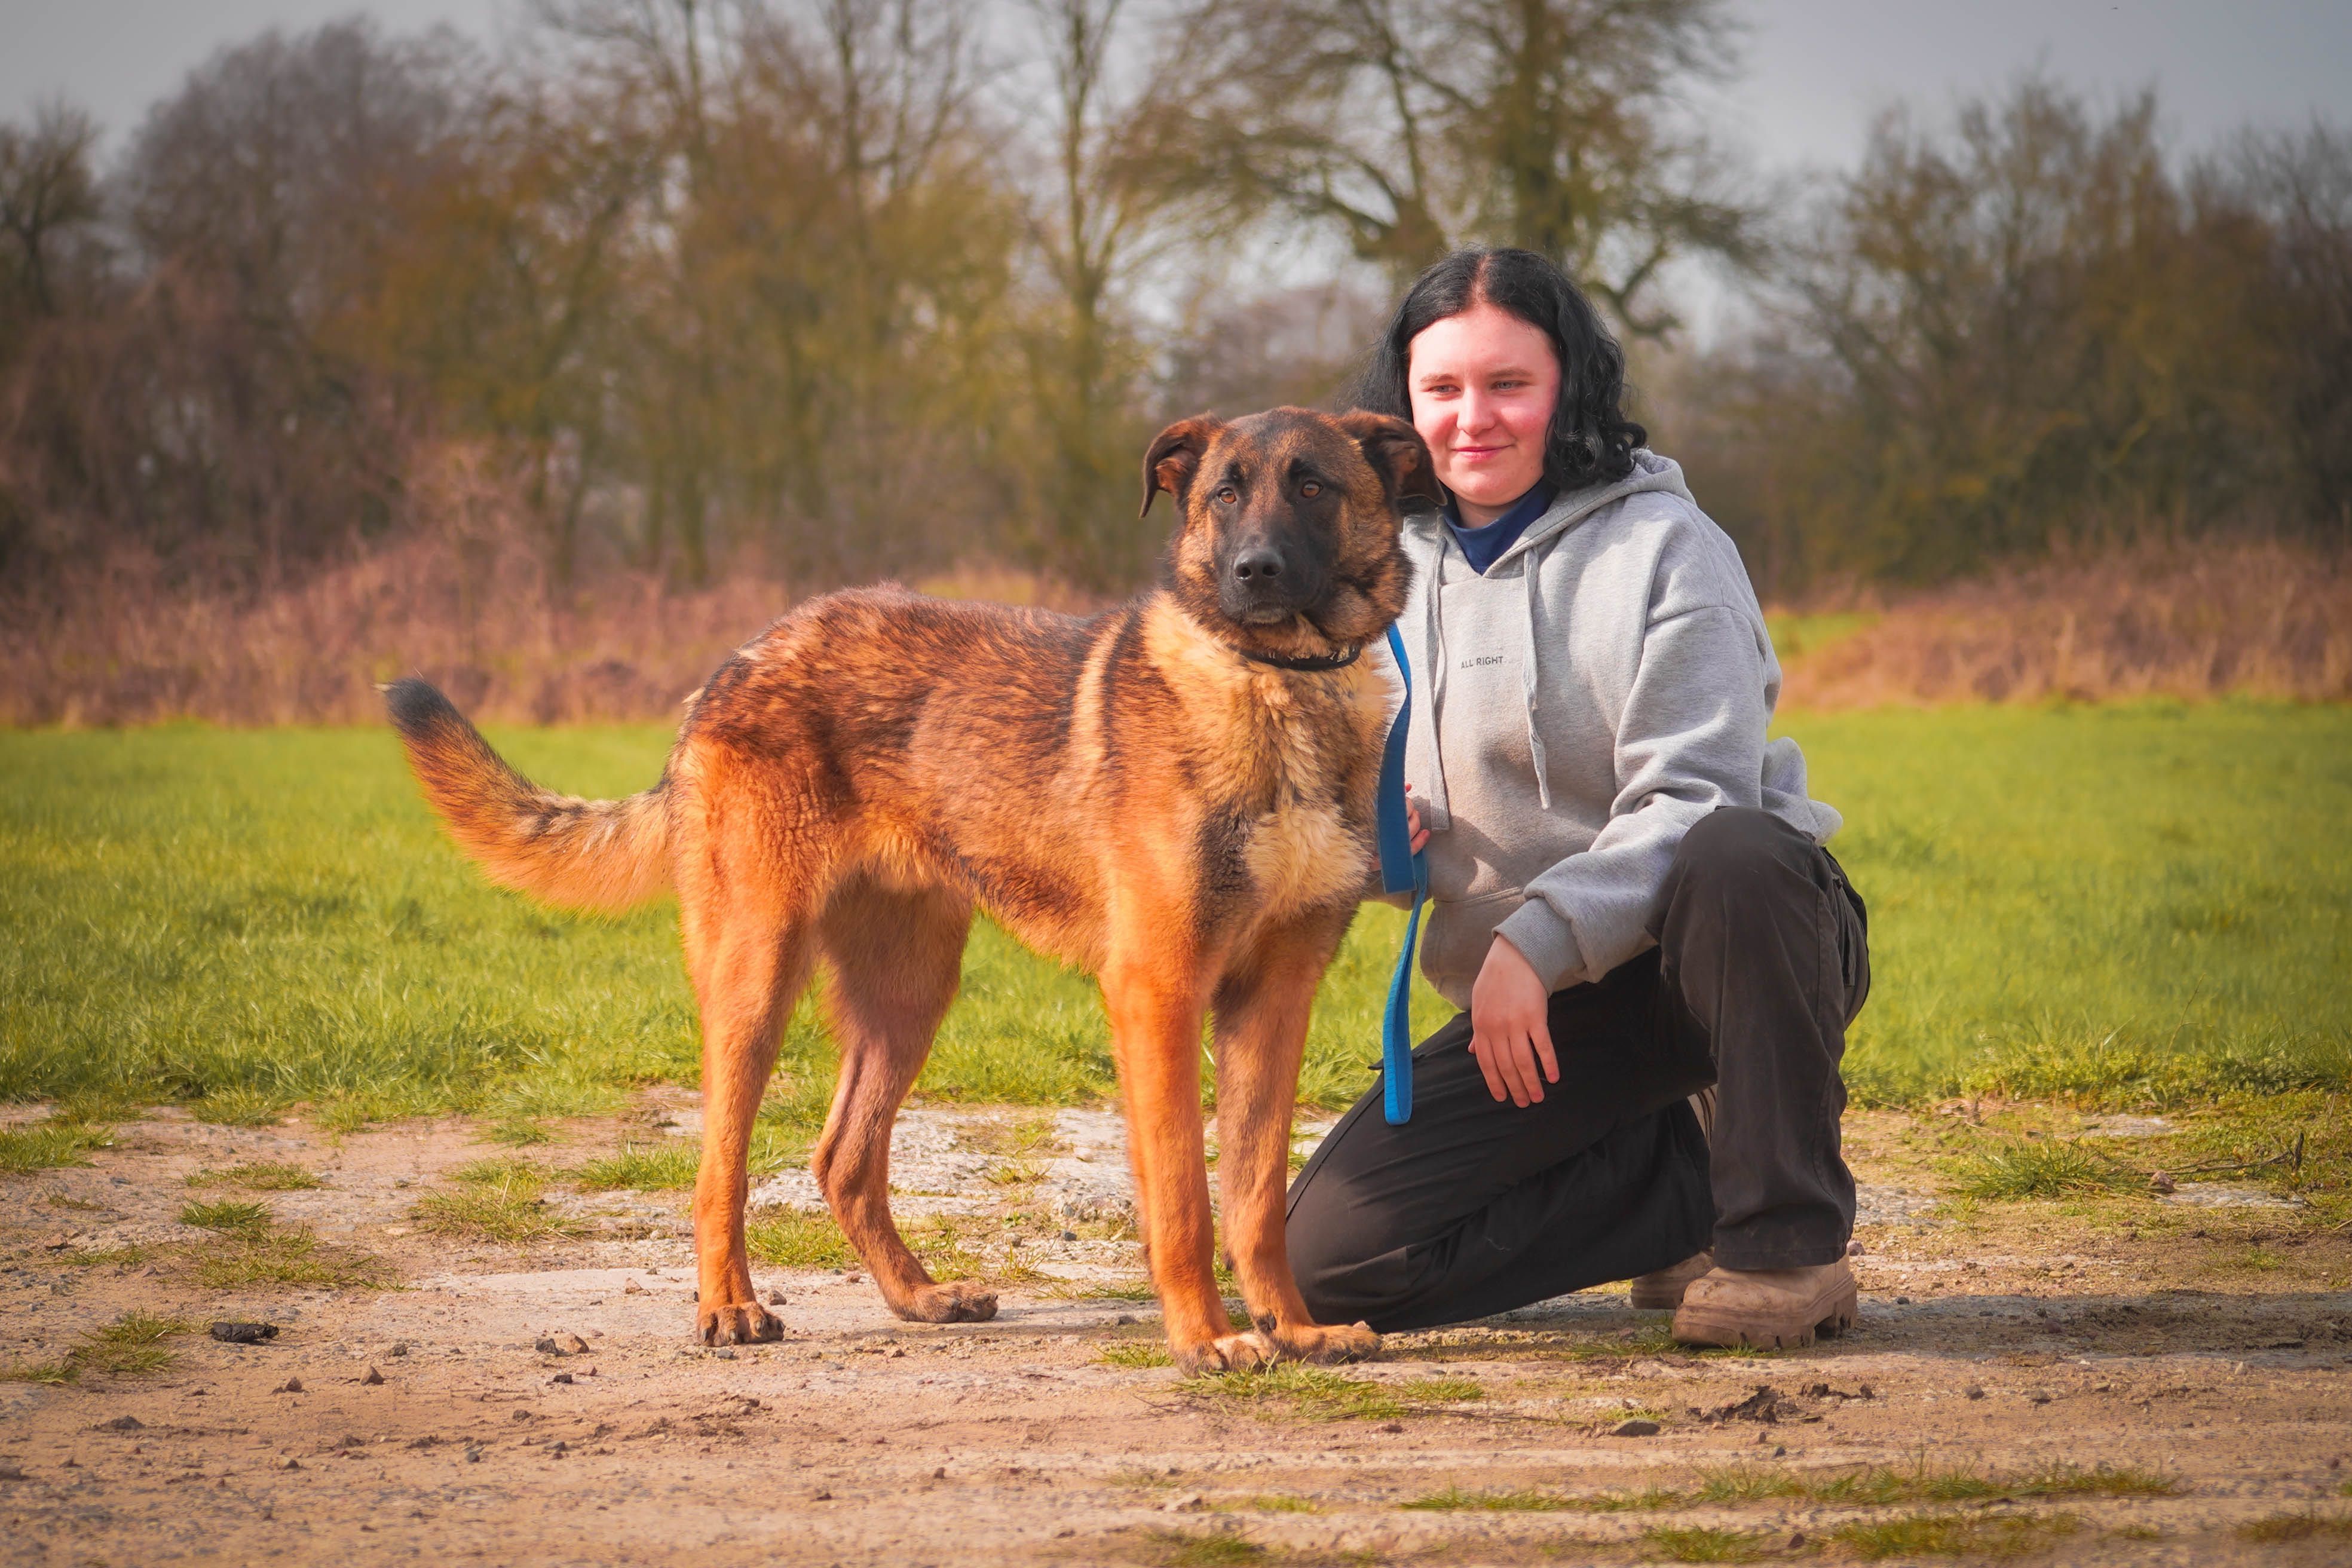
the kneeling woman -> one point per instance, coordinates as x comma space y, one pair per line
1630, 894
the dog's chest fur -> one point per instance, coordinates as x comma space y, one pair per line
1286, 767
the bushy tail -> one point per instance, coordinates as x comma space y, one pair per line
585, 854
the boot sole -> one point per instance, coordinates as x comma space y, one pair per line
1695, 1326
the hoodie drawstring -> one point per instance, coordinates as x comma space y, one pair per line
1528, 680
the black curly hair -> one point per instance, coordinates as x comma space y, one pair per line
1591, 440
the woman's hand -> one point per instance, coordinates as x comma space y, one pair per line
1509, 1027
1412, 820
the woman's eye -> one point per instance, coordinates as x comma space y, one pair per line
1311, 489
1229, 494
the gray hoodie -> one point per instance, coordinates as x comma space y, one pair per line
1603, 686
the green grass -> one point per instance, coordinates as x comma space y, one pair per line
45, 1146
131, 1346
1319, 1394
1951, 1535
797, 1238
236, 1218
2310, 1525
495, 1200
2139, 904
1139, 1354
288, 1257
1871, 1486
2045, 1169
259, 1176
1702, 1545
1453, 1500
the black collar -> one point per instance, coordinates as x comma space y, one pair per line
1313, 661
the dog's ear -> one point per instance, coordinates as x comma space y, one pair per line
1398, 454
1175, 457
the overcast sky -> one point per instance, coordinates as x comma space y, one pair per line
1816, 70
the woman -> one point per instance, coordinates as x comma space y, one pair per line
1628, 890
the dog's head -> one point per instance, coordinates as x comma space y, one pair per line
1288, 544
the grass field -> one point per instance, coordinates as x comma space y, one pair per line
2138, 904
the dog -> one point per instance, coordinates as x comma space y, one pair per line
1175, 795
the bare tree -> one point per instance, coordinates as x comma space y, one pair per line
1412, 126
47, 190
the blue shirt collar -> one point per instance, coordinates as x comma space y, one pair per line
1482, 546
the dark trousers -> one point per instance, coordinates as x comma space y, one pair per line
1477, 1206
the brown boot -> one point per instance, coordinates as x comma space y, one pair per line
1767, 1309
1661, 1289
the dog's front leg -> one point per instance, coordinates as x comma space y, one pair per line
1262, 1012
1155, 1018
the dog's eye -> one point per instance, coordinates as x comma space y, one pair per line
1229, 494
1311, 489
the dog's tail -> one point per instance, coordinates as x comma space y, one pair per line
584, 854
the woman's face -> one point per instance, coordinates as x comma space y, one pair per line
1483, 385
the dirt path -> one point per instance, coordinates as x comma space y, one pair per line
2203, 1364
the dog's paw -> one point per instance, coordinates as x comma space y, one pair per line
1324, 1343
736, 1323
957, 1302
1227, 1352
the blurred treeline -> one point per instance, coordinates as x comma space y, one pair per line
817, 290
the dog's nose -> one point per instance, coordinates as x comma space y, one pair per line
1258, 566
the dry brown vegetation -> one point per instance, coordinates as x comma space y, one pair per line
118, 645
2263, 619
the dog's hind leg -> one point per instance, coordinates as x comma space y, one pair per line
895, 959
1261, 1032
744, 892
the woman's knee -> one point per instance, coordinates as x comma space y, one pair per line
1735, 843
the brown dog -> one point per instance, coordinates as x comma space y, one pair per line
1176, 795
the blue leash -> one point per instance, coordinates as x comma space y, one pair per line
1402, 870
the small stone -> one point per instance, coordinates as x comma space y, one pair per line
374, 1379
1797, 1540
561, 1447
1854, 1249
1124, 1319
292, 1385
775, 1298
1634, 1429
571, 1344
1902, 1300
723, 1352
1974, 1391
561, 1377
1069, 1236
237, 1334
2040, 1398
123, 1423
400, 1349
2161, 1181
291, 1464
940, 1474
547, 1347
1190, 1502
630, 1287
820, 1495
853, 1279
473, 1455
11, 1473
1392, 1427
